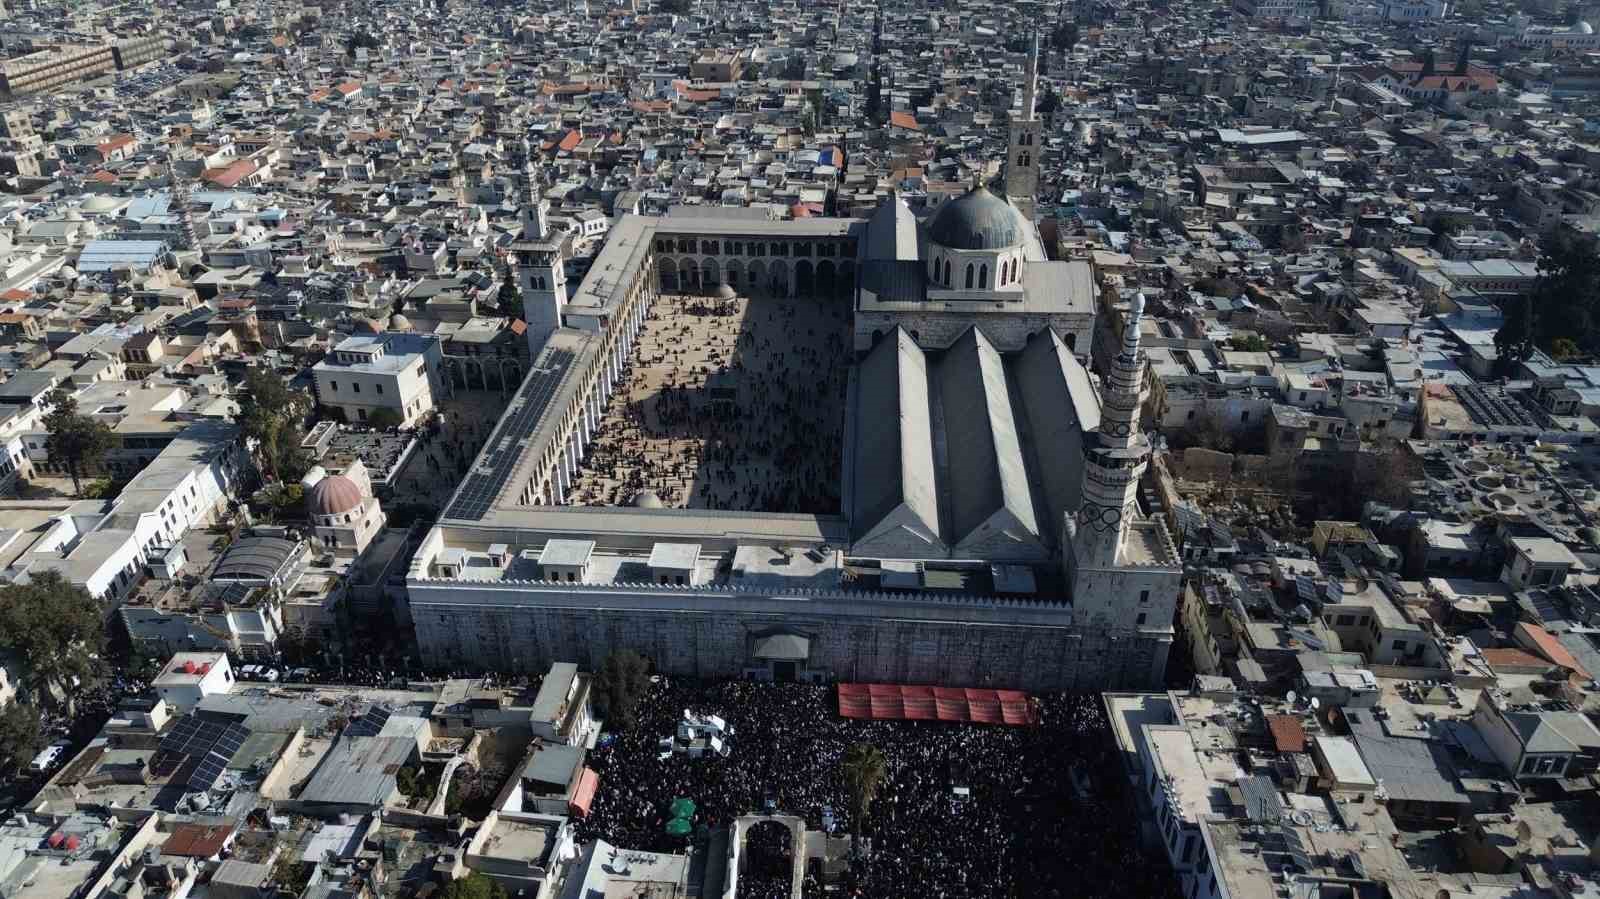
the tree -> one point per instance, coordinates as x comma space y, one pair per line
474, 886
385, 418
360, 39
623, 679
78, 442
864, 769
270, 414
1204, 430
1048, 104
21, 737
1064, 36
57, 633
1564, 302
1248, 343
289, 873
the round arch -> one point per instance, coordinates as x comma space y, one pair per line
778, 278
827, 278
847, 277
667, 274
756, 276
804, 278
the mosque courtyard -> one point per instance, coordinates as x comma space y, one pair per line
728, 403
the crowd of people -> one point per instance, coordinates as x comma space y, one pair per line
1046, 810
728, 404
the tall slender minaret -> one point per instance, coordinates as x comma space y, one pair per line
1115, 461
541, 267
180, 205
1022, 160
535, 209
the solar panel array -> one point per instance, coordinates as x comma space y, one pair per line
207, 745
369, 725
495, 464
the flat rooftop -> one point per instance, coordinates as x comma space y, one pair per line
527, 840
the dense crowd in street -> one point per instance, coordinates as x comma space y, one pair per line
1046, 810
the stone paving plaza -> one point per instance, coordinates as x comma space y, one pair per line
727, 404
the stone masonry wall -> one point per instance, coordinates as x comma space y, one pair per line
1008, 331
718, 644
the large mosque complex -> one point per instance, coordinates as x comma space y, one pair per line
813, 449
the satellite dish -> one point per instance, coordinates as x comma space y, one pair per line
1315, 703
1292, 698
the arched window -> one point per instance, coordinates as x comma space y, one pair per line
947, 273
983, 276
1023, 160
969, 276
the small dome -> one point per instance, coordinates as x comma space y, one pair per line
647, 499
725, 291
398, 322
1583, 28
333, 495
977, 220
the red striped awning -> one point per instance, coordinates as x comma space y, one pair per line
906, 702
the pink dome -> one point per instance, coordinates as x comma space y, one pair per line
333, 495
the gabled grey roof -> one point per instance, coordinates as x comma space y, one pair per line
891, 266
1539, 734
987, 476
1060, 403
893, 442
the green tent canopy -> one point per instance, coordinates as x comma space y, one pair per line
679, 827
681, 807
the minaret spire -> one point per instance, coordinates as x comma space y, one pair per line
1120, 407
535, 225
1116, 461
1030, 78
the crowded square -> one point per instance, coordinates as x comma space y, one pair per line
965, 810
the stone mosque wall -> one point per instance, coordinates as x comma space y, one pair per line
691, 634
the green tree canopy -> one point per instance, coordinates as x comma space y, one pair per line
77, 442
864, 769
1049, 102
1562, 305
474, 886
57, 633
271, 414
623, 680
384, 418
1064, 36
21, 737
